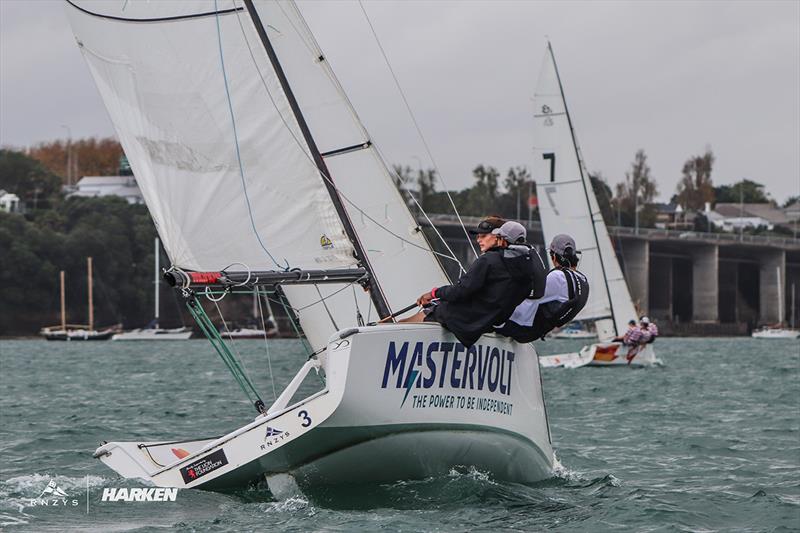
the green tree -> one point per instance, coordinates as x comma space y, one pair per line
604, 198
635, 193
695, 187
517, 186
746, 191
28, 179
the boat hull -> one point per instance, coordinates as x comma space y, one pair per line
776, 333
400, 402
179, 334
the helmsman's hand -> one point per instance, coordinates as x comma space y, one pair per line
425, 299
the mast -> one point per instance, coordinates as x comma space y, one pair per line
793, 321
91, 303
63, 306
585, 190
155, 279
780, 296
378, 298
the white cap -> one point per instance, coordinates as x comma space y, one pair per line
644, 320
511, 231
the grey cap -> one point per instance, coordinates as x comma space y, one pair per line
561, 242
512, 232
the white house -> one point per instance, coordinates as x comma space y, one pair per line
9, 202
123, 186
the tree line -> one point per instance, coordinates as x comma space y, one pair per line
58, 233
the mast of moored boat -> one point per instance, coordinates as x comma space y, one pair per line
794, 324
63, 304
156, 279
91, 303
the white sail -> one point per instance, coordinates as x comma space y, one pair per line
567, 203
223, 162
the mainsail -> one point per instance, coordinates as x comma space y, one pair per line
248, 153
567, 203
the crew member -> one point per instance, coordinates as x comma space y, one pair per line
488, 292
650, 328
565, 294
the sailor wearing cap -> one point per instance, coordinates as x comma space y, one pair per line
489, 291
650, 329
565, 294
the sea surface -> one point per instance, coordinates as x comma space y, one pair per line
709, 442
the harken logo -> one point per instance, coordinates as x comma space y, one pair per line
53, 496
138, 494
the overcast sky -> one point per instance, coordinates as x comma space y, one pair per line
670, 77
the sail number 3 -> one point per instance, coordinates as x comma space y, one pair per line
306, 419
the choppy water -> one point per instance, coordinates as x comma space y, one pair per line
711, 442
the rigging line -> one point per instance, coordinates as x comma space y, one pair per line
266, 343
419, 130
239, 359
435, 229
325, 305
322, 173
359, 316
236, 138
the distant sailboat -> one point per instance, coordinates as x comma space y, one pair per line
77, 332
152, 332
254, 331
567, 204
778, 331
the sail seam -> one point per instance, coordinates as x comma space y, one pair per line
158, 19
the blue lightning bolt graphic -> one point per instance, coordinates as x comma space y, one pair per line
412, 376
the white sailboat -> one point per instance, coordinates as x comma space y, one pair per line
154, 332
258, 172
567, 204
778, 331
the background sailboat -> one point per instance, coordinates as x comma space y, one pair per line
78, 332
567, 204
258, 173
778, 331
153, 331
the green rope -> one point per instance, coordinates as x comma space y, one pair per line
200, 316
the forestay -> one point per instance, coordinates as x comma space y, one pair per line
567, 203
221, 156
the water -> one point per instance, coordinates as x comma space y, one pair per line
711, 442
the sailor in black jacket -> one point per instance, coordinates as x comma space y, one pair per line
488, 292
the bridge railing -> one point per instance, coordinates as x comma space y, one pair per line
648, 233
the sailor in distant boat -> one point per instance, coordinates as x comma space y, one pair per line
650, 328
489, 291
565, 294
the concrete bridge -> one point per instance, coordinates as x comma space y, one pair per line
691, 282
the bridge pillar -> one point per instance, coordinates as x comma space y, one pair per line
705, 277
636, 258
771, 262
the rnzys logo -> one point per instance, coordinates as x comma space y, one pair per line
53, 496
273, 437
325, 242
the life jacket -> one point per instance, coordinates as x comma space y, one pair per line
557, 314
536, 268
551, 315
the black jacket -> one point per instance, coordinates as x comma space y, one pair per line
486, 294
